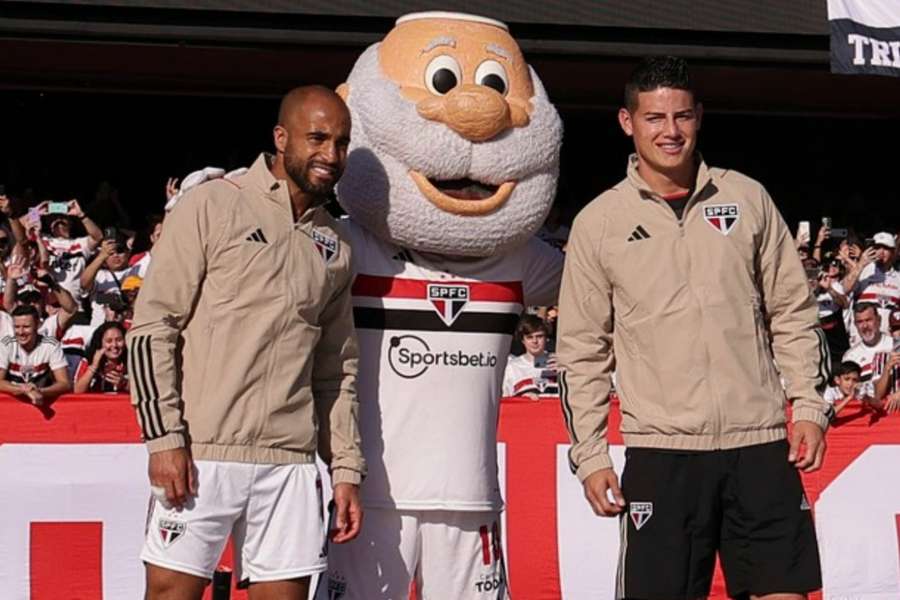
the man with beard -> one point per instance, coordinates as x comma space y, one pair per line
873, 345
874, 279
243, 365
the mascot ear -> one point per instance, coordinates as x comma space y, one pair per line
343, 91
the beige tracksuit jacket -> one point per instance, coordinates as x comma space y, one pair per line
243, 346
690, 314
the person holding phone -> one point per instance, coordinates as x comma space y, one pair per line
532, 374
875, 280
68, 255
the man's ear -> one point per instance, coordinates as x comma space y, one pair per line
625, 122
280, 137
343, 91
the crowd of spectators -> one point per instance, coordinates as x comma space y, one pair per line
69, 284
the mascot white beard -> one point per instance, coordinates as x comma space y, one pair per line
390, 138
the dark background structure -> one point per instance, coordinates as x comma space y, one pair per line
134, 91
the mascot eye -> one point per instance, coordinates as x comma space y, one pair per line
490, 73
442, 74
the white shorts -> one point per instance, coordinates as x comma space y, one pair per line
450, 555
273, 512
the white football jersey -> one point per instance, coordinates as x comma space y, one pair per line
434, 336
68, 257
522, 377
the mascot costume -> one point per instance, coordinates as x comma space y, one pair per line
451, 170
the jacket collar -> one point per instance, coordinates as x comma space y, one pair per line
260, 175
635, 179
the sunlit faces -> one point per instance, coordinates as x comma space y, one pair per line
868, 324
664, 125
314, 142
113, 343
25, 327
847, 382
535, 343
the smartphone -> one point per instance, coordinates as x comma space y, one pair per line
803, 230
34, 215
839, 233
869, 242
540, 362
826, 222
58, 208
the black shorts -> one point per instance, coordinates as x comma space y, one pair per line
747, 504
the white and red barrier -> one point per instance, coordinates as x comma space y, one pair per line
74, 492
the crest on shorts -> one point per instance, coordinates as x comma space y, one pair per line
171, 530
722, 217
448, 300
326, 245
804, 503
640, 513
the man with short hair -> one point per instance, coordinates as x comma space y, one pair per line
243, 363
874, 279
32, 365
867, 322
685, 279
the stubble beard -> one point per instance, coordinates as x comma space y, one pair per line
298, 171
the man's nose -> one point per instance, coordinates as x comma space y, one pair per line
671, 128
476, 112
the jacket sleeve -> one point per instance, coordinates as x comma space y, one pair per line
162, 310
335, 366
585, 350
799, 345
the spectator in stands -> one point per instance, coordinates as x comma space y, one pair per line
143, 244
832, 301
846, 387
872, 342
887, 386
68, 256
104, 369
874, 279
533, 374
32, 366
46, 290
105, 274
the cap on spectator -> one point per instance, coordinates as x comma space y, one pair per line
132, 282
883, 238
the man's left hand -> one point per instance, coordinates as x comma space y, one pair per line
807, 446
347, 513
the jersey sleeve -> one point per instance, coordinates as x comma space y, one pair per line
542, 273
57, 358
4, 354
83, 367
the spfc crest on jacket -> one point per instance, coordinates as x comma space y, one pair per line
170, 531
722, 217
448, 300
326, 245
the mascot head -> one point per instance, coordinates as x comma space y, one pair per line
455, 145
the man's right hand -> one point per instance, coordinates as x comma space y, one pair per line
595, 488
173, 471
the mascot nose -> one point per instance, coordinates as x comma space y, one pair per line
476, 112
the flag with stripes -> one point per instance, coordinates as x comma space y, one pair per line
865, 37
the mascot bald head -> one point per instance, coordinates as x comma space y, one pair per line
455, 145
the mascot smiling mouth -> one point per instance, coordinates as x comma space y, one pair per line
463, 196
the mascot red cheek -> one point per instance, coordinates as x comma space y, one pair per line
452, 169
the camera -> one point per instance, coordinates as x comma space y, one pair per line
111, 233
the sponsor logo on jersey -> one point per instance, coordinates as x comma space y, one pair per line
640, 513
410, 356
722, 217
489, 583
326, 245
448, 300
171, 530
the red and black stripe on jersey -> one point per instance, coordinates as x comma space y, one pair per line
544, 386
424, 314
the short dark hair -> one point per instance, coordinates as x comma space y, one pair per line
24, 310
848, 366
529, 324
860, 307
657, 72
